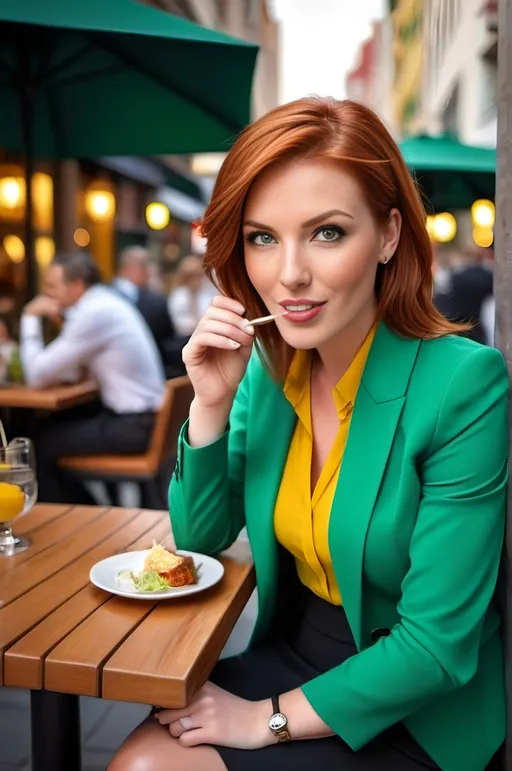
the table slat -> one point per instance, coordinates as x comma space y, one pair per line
75, 664
52, 534
26, 612
41, 515
23, 663
172, 652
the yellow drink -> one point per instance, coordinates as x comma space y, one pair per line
12, 501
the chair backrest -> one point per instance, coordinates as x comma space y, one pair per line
171, 416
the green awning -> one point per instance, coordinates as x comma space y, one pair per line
446, 154
450, 175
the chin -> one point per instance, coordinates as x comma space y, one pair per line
304, 339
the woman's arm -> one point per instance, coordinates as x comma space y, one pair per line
206, 495
454, 557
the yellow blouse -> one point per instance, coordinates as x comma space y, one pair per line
301, 521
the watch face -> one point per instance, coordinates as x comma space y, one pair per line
277, 722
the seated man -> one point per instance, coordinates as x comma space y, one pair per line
133, 282
105, 336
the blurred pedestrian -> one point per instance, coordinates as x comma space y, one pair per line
467, 294
133, 282
107, 338
192, 296
8, 350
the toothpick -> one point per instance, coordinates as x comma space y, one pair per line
2, 435
263, 320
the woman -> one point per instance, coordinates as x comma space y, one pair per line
192, 296
377, 551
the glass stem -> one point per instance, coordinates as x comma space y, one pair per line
6, 536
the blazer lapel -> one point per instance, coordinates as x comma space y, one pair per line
377, 410
272, 420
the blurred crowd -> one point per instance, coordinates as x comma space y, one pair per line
463, 282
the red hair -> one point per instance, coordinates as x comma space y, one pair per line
350, 134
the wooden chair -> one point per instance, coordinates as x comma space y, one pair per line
148, 468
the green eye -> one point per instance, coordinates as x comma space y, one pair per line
261, 239
329, 233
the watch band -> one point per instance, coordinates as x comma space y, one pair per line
275, 704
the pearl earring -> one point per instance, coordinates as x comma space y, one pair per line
385, 259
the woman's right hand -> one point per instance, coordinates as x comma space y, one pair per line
217, 354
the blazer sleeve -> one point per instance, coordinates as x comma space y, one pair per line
206, 495
454, 558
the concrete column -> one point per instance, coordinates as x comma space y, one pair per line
503, 291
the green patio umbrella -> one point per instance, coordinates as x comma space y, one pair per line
450, 174
85, 78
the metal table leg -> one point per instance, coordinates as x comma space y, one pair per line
56, 732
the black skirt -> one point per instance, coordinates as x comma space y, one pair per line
318, 640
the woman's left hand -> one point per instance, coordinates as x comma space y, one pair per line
216, 717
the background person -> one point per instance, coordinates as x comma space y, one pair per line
467, 295
133, 282
192, 296
107, 338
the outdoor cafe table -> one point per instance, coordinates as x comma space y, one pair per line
52, 399
61, 637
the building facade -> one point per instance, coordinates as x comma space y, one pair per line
389, 70
461, 73
371, 79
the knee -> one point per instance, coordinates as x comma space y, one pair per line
131, 760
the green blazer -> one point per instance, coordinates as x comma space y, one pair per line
415, 535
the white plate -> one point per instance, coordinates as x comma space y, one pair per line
104, 575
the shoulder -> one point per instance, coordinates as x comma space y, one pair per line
104, 305
446, 357
455, 382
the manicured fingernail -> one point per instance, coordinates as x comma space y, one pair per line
249, 329
240, 308
234, 344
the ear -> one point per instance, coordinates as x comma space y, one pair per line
390, 235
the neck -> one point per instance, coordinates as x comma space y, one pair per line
336, 355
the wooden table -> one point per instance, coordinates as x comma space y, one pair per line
53, 398
61, 637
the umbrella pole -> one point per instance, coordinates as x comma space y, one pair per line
27, 126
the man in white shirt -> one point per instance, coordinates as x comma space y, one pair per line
104, 335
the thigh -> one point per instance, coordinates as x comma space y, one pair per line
125, 434
71, 437
262, 672
331, 753
151, 748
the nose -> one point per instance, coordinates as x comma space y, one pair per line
294, 267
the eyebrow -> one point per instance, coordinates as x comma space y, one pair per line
313, 221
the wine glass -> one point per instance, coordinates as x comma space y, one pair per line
18, 491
